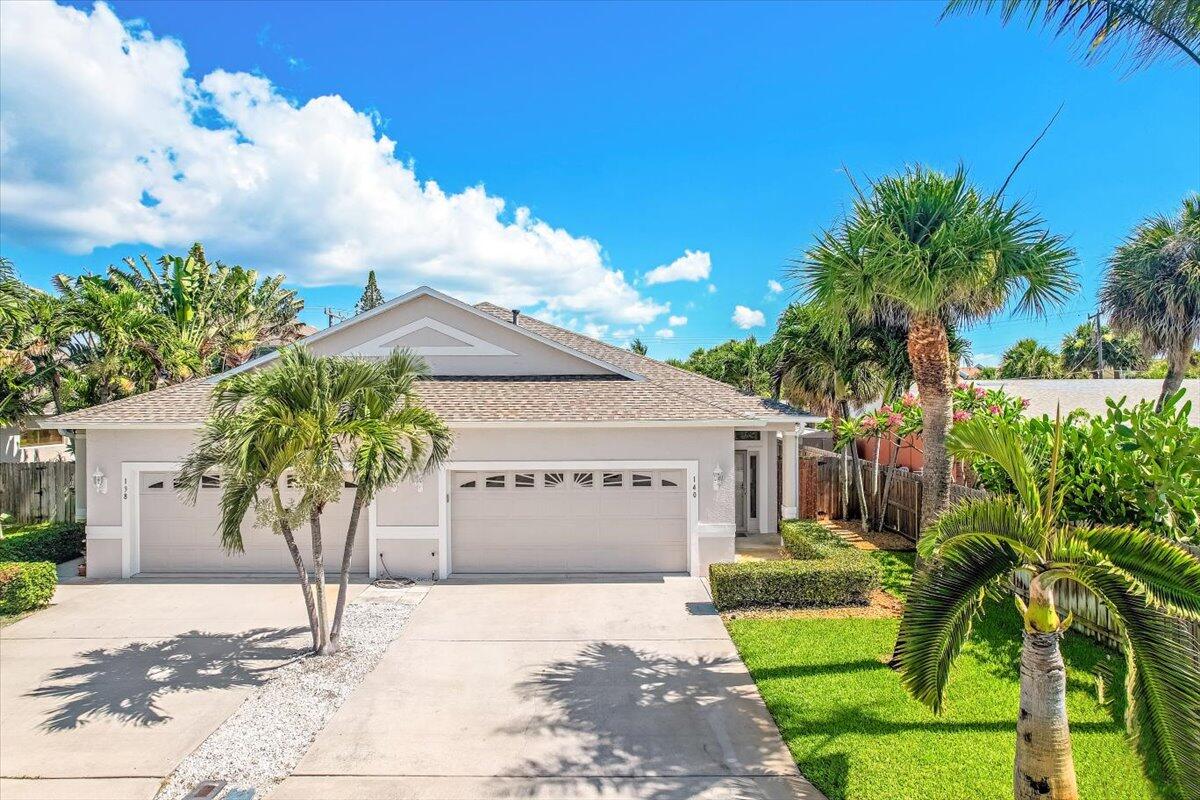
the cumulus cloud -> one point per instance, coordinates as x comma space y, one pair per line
665, 333
774, 286
675, 321
747, 318
106, 138
693, 265
712, 288
987, 359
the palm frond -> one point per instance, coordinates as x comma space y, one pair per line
1169, 573
1001, 442
994, 521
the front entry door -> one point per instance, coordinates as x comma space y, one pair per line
741, 508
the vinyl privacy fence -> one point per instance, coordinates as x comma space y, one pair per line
35, 491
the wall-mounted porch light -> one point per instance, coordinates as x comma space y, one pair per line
717, 475
100, 481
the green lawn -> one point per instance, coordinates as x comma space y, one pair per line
855, 733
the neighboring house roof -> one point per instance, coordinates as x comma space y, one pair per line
658, 393
1045, 396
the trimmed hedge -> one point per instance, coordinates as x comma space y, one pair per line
45, 541
823, 571
25, 585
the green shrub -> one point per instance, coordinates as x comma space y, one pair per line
823, 571
25, 585
45, 541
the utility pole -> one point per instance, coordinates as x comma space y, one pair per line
1099, 345
332, 314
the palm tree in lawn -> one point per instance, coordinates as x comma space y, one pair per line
1152, 288
932, 252
311, 416
828, 369
1028, 359
1149, 29
1149, 585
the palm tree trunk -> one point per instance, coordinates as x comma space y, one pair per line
881, 511
314, 521
1044, 768
1177, 364
344, 576
289, 538
929, 353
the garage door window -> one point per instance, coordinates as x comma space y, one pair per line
494, 482
524, 480
552, 480
642, 480
583, 480
614, 480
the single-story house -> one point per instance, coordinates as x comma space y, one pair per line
570, 455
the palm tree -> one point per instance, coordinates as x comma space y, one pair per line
1153, 288
1147, 583
1028, 359
1078, 351
310, 416
931, 252
639, 347
1151, 29
828, 369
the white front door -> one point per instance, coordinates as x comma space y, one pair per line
570, 520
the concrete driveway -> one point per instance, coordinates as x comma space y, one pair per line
104, 692
610, 687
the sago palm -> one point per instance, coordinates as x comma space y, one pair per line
1152, 288
1028, 359
1148, 29
1148, 584
931, 252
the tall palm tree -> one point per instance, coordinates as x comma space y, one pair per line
639, 347
931, 252
1028, 359
828, 370
311, 416
1147, 583
1149, 29
1079, 353
1152, 288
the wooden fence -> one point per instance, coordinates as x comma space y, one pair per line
903, 514
38, 491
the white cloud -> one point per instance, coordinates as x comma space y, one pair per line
693, 265
987, 359
774, 286
106, 139
665, 333
712, 288
675, 321
746, 318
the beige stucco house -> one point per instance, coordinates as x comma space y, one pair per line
570, 456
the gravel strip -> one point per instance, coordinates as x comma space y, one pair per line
264, 740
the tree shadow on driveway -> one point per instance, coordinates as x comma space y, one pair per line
672, 723
127, 683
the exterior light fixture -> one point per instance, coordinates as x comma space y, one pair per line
100, 481
420, 485
717, 475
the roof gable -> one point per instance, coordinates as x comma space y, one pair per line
454, 339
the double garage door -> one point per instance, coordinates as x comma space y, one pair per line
176, 537
576, 520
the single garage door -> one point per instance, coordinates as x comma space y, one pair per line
569, 521
177, 537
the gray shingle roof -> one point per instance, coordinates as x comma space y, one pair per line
667, 394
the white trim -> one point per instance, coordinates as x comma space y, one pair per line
715, 530
469, 345
105, 531
131, 487
760, 450
425, 291
377, 533
692, 489
789, 512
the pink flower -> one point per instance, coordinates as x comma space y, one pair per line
894, 420
1024, 402
962, 416
870, 423
908, 400
993, 409
980, 391
962, 384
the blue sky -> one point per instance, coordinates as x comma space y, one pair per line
635, 133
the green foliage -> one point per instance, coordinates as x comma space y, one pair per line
43, 541
371, 296
1147, 31
856, 734
1127, 466
25, 585
823, 571
1028, 359
1078, 351
1157, 368
639, 347
739, 363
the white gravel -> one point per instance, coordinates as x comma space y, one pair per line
264, 740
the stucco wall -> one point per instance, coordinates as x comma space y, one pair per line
108, 449
530, 357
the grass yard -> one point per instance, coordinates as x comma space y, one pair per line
856, 734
